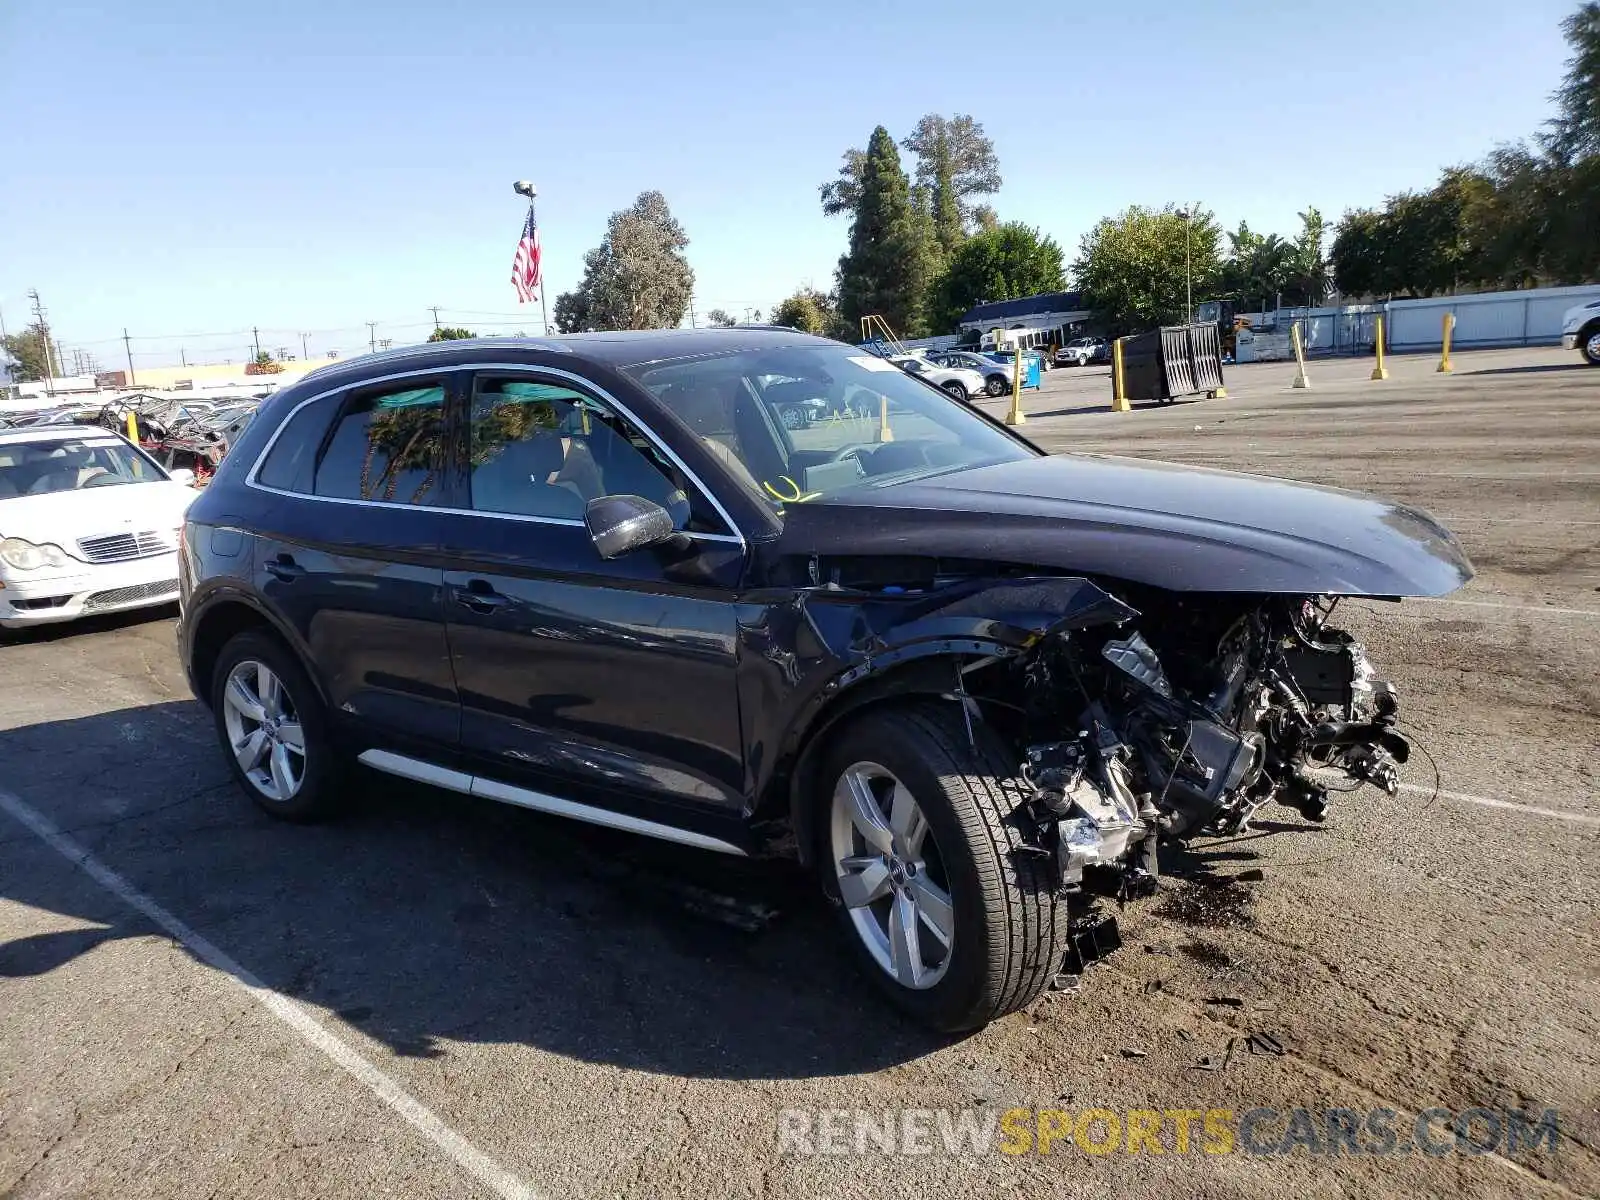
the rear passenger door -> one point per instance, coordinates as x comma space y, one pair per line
611, 682
349, 553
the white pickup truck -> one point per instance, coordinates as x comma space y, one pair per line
1580, 330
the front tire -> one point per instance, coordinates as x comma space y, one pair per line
1589, 343
956, 390
921, 861
273, 728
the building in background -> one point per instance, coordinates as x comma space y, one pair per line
1053, 317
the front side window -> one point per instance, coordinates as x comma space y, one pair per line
71, 464
545, 450
794, 423
388, 447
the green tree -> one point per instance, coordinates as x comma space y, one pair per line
1574, 134
450, 333
1132, 266
1357, 256
637, 278
720, 318
28, 350
1004, 263
1308, 274
955, 162
887, 267
810, 311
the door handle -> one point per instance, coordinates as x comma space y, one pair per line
479, 597
284, 568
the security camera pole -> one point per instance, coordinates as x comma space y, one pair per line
529, 254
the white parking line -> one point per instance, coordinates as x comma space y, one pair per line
1491, 802
1532, 608
474, 1161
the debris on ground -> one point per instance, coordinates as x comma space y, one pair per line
1264, 1043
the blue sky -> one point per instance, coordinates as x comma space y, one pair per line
187, 168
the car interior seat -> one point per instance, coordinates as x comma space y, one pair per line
517, 480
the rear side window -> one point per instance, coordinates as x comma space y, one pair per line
293, 457
388, 446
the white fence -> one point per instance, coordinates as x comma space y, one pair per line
1485, 320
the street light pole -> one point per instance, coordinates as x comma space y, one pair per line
1188, 286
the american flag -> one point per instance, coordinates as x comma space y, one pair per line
525, 266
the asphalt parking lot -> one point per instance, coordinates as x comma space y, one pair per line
443, 997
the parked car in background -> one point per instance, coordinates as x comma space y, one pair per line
969, 684
997, 377
1580, 330
1080, 352
88, 524
961, 382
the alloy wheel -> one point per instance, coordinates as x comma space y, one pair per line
1591, 348
264, 730
891, 877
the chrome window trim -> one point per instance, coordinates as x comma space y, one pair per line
506, 793
251, 479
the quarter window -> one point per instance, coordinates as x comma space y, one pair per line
389, 447
290, 462
545, 450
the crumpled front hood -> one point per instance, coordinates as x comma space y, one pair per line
1171, 526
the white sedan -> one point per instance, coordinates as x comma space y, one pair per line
88, 524
960, 382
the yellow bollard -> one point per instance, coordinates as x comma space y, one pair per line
1016, 416
1380, 371
1119, 381
133, 427
1301, 379
1449, 328
885, 434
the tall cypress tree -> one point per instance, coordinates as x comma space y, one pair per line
886, 268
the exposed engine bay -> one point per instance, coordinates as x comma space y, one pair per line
1183, 722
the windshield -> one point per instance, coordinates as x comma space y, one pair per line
69, 464
795, 423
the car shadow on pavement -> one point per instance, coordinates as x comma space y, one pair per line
425, 918
1536, 369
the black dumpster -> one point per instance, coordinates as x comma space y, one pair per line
1173, 361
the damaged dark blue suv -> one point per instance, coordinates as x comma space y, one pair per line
973, 685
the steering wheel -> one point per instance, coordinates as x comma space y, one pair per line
851, 449
100, 478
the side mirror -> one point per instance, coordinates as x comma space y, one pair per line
181, 475
619, 525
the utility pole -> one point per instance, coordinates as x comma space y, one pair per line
372, 337
304, 353
435, 311
44, 336
127, 345
255, 335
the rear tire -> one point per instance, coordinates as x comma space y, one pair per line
996, 385
1008, 927
956, 390
274, 729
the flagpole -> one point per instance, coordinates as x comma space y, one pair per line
544, 315
523, 188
